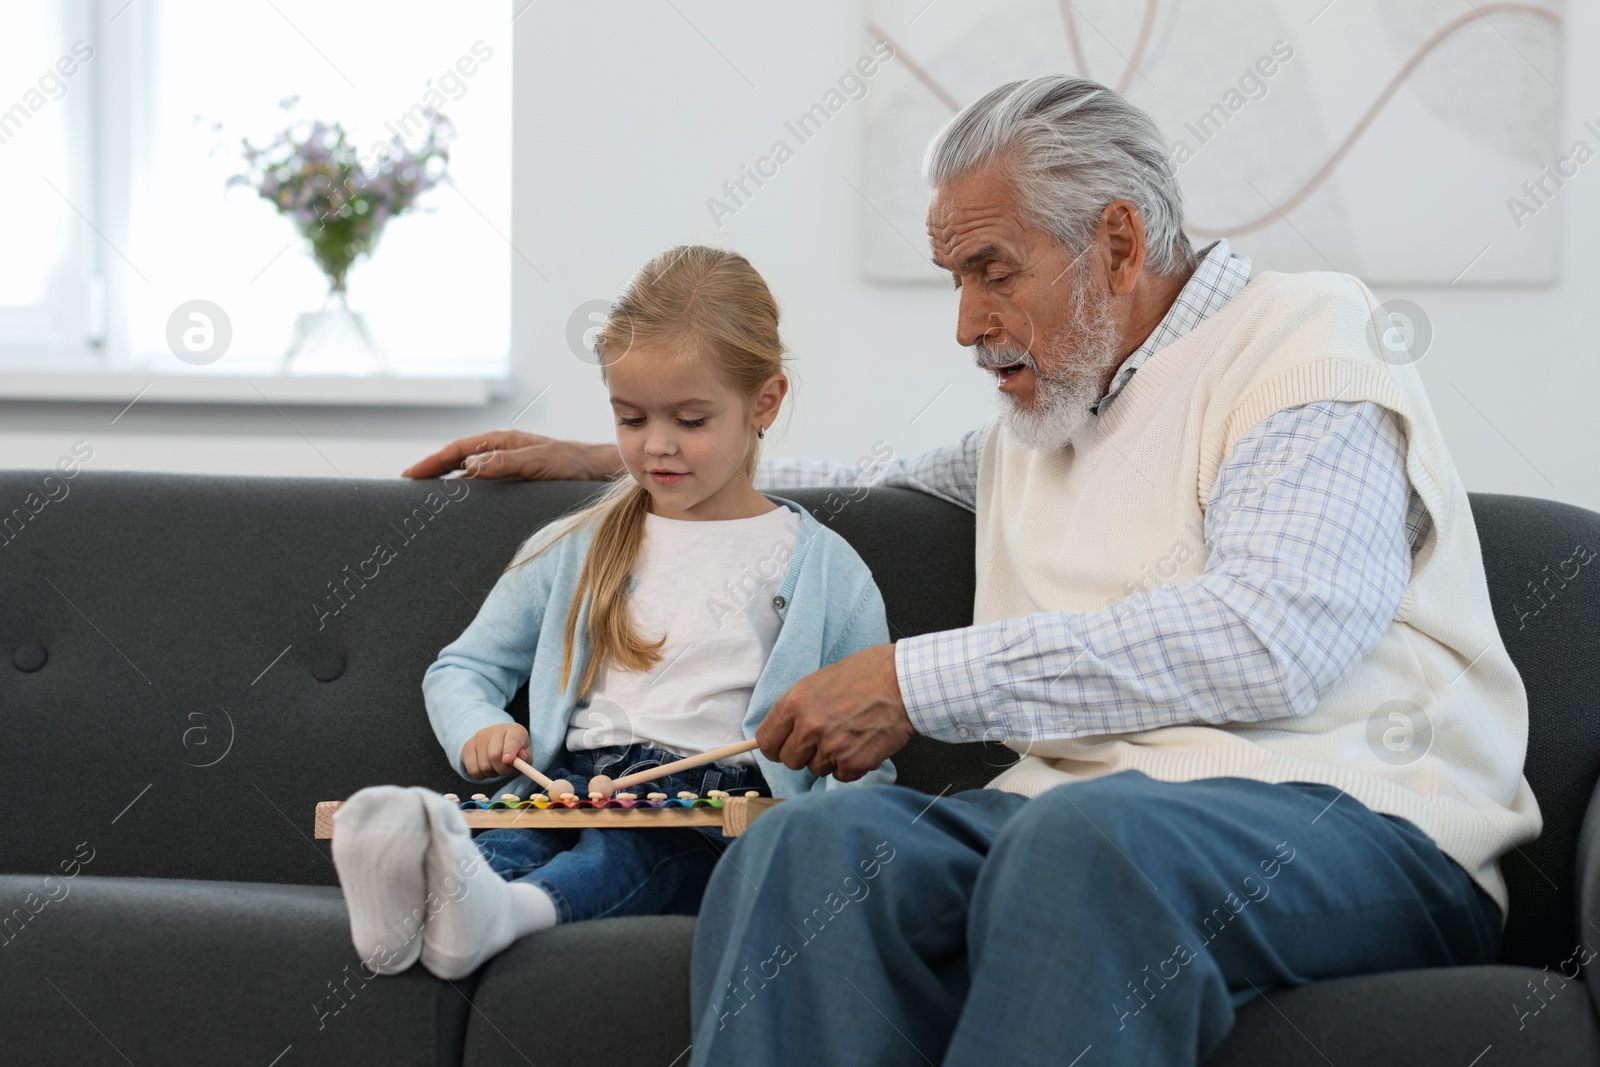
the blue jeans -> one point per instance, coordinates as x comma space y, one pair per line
593, 873
1121, 920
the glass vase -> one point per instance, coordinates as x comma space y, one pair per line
333, 341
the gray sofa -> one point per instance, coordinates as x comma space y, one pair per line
181, 683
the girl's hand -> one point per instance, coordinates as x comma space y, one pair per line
490, 751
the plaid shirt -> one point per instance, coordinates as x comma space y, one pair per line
1297, 588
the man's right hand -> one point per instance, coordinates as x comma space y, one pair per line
514, 454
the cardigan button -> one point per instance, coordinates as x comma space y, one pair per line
29, 658
778, 602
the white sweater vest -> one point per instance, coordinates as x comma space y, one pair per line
1122, 509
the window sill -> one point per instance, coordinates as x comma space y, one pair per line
390, 391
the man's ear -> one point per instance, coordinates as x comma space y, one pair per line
1122, 231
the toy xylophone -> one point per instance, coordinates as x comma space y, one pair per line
563, 809
729, 813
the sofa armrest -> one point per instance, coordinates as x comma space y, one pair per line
1589, 897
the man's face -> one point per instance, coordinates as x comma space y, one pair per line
1042, 321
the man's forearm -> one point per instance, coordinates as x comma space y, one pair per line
1188, 653
949, 473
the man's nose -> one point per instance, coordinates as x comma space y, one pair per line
977, 320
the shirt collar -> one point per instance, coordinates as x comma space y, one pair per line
1221, 274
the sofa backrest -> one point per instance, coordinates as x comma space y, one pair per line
189, 663
197, 660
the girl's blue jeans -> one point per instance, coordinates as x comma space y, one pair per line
595, 873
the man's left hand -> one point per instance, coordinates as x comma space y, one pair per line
843, 720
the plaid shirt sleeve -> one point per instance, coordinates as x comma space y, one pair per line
949, 473
1307, 533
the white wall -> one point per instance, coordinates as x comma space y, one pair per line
628, 118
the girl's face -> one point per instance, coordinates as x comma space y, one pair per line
683, 434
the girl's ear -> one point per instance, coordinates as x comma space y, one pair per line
770, 399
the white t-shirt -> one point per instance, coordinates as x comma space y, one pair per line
709, 587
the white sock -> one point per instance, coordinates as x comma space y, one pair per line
380, 835
532, 907
472, 915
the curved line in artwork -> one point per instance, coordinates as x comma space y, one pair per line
1072, 39
1326, 170
1165, 40
917, 70
1146, 27
945, 97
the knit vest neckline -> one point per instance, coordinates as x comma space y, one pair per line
1151, 381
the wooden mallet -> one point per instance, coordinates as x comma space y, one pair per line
602, 786
555, 789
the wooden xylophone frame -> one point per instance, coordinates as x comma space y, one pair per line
731, 814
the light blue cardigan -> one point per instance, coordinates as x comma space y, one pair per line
828, 602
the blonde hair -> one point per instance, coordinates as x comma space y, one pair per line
700, 302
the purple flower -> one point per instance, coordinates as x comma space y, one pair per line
312, 173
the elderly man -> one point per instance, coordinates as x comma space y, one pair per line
1230, 608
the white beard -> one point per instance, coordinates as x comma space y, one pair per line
1060, 412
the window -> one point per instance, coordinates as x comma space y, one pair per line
142, 142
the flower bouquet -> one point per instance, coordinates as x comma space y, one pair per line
340, 202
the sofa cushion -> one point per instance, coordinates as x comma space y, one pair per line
1461, 1015
606, 991
1421, 1018
99, 970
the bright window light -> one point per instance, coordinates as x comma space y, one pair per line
436, 291
33, 144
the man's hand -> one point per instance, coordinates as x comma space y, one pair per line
489, 752
844, 719
515, 454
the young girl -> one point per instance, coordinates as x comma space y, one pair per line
662, 622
